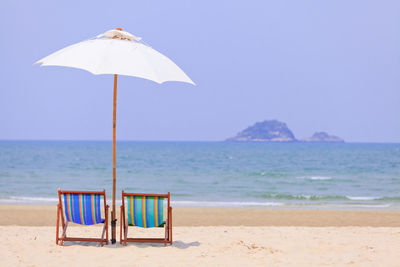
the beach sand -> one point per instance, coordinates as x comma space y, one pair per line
213, 237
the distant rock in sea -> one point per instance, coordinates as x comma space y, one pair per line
266, 131
323, 137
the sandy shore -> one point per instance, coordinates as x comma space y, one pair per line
213, 237
210, 246
30, 215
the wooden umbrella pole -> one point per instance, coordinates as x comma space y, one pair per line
113, 220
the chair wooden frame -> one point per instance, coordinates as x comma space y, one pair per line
64, 223
123, 238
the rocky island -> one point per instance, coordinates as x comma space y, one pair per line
266, 131
277, 131
323, 137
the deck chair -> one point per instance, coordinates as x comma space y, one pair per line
145, 210
81, 207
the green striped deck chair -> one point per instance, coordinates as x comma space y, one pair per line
81, 207
146, 211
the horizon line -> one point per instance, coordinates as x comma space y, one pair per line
187, 141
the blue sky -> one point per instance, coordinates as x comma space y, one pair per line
316, 65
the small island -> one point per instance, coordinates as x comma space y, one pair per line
323, 137
277, 131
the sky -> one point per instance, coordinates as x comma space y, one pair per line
329, 66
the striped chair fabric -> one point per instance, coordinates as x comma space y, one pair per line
145, 211
82, 208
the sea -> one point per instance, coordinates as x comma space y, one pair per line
208, 174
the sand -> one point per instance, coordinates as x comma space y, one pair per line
249, 238
30, 215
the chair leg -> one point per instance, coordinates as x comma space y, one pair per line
170, 225
125, 233
106, 223
166, 231
120, 225
58, 222
125, 226
64, 234
102, 235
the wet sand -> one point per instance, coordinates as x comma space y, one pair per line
30, 215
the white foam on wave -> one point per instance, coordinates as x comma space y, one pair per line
363, 198
320, 178
33, 200
216, 204
315, 178
38, 200
15, 199
223, 204
379, 206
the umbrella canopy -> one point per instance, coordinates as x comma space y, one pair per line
117, 52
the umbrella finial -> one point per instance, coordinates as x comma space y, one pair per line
118, 33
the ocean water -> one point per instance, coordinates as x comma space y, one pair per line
208, 174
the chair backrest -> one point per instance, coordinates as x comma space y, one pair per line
82, 207
145, 210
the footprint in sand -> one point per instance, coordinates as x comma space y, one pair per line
254, 247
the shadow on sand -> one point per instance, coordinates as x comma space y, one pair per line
177, 244
83, 243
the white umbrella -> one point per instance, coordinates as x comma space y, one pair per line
117, 52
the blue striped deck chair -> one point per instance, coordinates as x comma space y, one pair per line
84, 208
146, 211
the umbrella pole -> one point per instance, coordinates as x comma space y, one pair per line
113, 220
